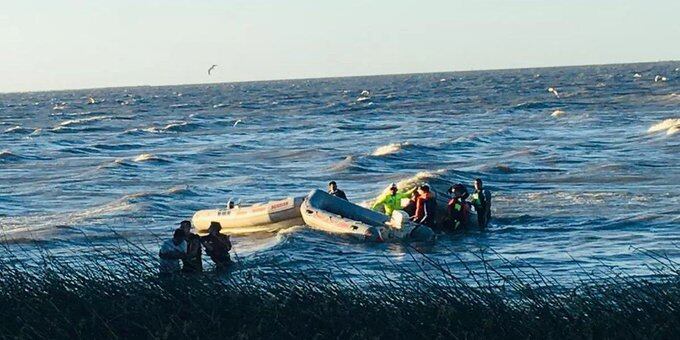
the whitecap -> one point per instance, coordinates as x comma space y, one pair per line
6, 154
81, 120
344, 164
670, 125
558, 113
15, 129
145, 157
389, 149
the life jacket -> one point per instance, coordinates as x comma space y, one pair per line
459, 211
425, 209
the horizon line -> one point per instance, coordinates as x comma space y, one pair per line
339, 77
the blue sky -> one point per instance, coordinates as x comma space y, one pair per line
61, 44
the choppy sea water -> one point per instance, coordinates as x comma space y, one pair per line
581, 181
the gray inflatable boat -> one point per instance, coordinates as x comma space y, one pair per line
328, 213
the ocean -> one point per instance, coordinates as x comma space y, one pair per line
585, 178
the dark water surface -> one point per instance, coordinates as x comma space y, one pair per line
579, 182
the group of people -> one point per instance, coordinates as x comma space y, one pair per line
423, 204
183, 253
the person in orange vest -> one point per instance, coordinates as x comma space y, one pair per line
426, 207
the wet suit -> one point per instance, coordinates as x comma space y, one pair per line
193, 263
392, 202
459, 212
339, 194
426, 206
217, 247
481, 199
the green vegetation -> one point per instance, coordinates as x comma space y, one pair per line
120, 297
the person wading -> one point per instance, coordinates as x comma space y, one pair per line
217, 246
481, 200
426, 207
458, 208
192, 263
333, 190
171, 252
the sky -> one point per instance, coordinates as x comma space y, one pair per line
67, 44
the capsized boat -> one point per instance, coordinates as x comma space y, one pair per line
325, 212
261, 217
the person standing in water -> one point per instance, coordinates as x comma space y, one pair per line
392, 200
217, 246
333, 190
481, 200
458, 208
192, 263
171, 252
425, 207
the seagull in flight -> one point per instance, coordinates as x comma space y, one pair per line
211, 68
554, 91
237, 121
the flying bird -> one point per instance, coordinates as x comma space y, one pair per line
236, 122
553, 91
211, 68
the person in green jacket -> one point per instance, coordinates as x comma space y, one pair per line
392, 200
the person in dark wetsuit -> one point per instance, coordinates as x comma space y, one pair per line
426, 207
192, 262
217, 246
333, 190
481, 199
458, 208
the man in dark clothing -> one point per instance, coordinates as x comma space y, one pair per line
426, 206
217, 246
192, 262
458, 208
481, 199
333, 190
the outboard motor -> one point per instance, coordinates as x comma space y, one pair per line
422, 233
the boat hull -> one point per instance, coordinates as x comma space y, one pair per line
263, 217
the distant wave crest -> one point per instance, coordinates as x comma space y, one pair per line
671, 126
389, 149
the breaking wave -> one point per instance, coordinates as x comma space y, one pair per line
148, 157
671, 126
389, 149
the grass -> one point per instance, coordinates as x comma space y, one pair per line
121, 297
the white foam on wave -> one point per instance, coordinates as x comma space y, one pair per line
558, 113
671, 126
4, 154
344, 164
145, 157
15, 129
40, 225
167, 128
81, 121
389, 149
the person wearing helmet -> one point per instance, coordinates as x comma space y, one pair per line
458, 208
333, 190
481, 200
426, 207
392, 200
